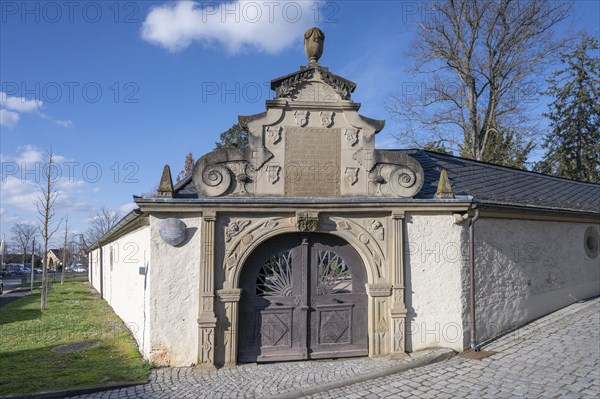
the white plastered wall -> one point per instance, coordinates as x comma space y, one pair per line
526, 269
434, 283
174, 284
124, 285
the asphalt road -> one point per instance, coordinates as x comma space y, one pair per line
12, 284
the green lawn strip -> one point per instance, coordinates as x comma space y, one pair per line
75, 314
56, 280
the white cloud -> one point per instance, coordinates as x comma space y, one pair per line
8, 118
19, 104
22, 105
19, 193
126, 208
236, 26
65, 123
9, 218
29, 155
20, 188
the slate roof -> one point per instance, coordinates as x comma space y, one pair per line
499, 185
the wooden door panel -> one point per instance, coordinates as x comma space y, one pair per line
334, 324
303, 297
276, 327
339, 300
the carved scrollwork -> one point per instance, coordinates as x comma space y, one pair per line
341, 87
215, 180
351, 136
365, 158
274, 134
327, 118
367, 236
351, 175
273, 172
342, 224
395, 180
301, 117
287, 86
235, 247
377, 229
401, 175
234, 228
402, 181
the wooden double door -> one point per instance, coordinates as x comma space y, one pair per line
303, 297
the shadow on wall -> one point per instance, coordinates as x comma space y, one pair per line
408, 289
527, 269
189, 234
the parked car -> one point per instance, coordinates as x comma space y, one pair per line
13, 268
1, 286
38, 270
79, 269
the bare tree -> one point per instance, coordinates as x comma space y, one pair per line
65, 250
23, 233
480, 61
101, 222
45, 207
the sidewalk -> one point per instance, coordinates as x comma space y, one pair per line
555, 356
13, 294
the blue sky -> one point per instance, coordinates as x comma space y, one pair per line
118, 89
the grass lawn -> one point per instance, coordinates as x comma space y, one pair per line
55, 280
75, 314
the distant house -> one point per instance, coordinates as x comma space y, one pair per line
55, 257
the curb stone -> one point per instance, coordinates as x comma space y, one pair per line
75, 391
435, 357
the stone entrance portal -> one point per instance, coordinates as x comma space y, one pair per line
303, 297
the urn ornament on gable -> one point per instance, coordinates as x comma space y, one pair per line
314, 40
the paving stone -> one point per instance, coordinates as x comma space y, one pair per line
552, 357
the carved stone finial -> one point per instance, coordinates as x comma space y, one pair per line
314, 39
444, 188
165, 188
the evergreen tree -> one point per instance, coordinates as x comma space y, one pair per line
437, 146
505, 147
234, 137
573, 143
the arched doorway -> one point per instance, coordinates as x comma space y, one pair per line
303, 297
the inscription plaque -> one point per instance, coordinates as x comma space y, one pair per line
172, 231
312, 162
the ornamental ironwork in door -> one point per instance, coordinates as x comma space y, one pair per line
303, 297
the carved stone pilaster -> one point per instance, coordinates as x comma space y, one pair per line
379, 320
230, 298
398, 308
206, 319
